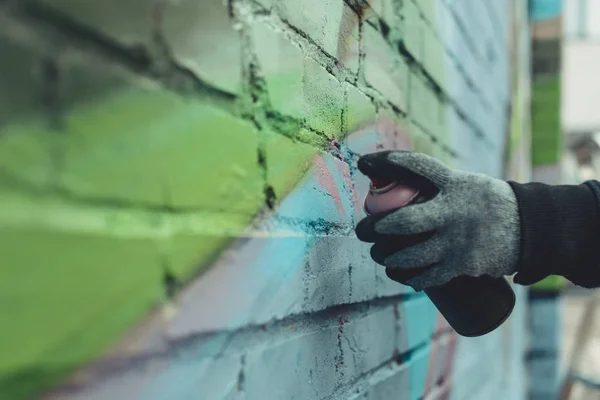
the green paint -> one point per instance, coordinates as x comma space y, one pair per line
553, 283
77, 275
287, 161
413, 30
74, 277
151, 147
359, 110
66, 296
546, 143
324, 99
26, 153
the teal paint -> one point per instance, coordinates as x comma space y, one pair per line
543, 10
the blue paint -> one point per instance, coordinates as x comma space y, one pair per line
418, 368
277, 260
420, 317
543, 10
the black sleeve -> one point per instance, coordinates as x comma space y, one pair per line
560, 232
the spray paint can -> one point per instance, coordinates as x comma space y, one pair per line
473, 306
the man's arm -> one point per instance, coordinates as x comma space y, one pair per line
472, 224
559, 232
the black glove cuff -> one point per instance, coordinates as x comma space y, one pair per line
559, 233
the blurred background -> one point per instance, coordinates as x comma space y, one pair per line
577, 61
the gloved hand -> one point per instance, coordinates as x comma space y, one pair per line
462, 224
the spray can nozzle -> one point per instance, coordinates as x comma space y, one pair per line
378, 184
385, 195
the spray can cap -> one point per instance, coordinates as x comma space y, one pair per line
385, 195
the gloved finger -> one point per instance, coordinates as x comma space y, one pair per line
405, 275
365, 229
420, 255
415, 169
388, 245
414, 218
378, 253
431, 277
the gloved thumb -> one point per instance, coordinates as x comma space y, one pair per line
414, 169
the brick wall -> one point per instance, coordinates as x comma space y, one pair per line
178, 193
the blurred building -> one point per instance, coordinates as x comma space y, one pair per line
581, 87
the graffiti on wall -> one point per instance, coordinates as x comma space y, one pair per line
206, 237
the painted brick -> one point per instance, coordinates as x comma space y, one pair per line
189, 375
315, 275
418, 366
25, 84
333, 25
447, 28
407, 380
460, 137
120, 383
390, 383
282, 65
363, 273
440, 393
27, 143
131, 141
385, 71
466, 99
414, 27
130, 24
441, 359
286, 160
435, 58
311, 357
394, 129
431, 111
422, 141
428, 10
324, 99
361, 109
266, 3
263, 290
327, 281
453, 81
120, 283
443, 123
347, 44
467, 63
323, 195
443, 156
423, 104
201, 37
368, 342
390, 12
418, 317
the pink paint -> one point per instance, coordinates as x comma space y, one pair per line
345, 172
394, 137
434, 357
326, 180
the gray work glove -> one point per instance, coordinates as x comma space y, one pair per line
462, 223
